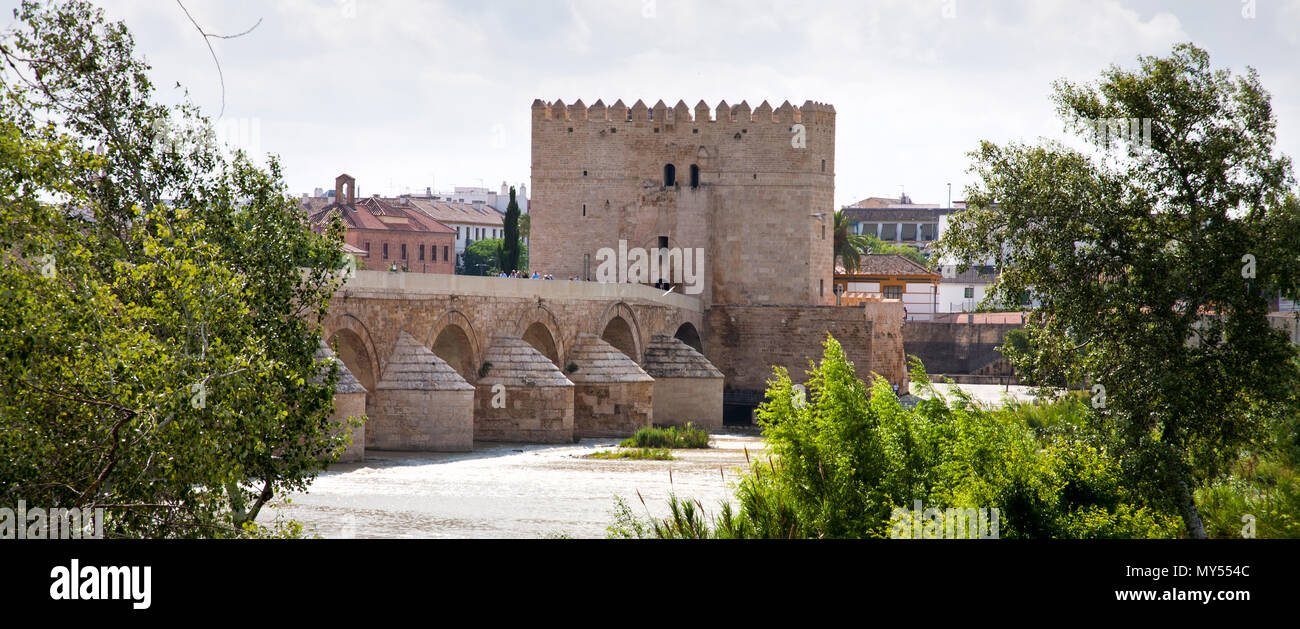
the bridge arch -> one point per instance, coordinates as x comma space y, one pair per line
539, 327
352, 343
687, 334
619, 327
454, 340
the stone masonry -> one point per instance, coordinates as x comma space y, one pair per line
753, 189
422, 403
688, 388
613, 396
523, 396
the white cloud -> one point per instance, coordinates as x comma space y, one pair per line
415, 91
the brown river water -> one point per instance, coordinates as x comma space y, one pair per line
509, 490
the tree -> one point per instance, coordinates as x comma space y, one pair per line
849, 247
1151, 256
510, 248
878, 246
160, 303
483, 257
846, 457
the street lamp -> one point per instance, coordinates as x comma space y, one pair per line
838, 289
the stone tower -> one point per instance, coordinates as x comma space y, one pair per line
753, 189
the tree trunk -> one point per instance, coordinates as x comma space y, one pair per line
1191, 517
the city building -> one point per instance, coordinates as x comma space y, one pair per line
899, 220
390, 233
472, 221
890, 276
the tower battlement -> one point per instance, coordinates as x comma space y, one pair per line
751, 188
810, 113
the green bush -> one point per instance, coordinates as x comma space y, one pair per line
671, 437
845, 460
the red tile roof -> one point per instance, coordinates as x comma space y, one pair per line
374, 214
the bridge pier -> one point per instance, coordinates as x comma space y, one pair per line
422, 403
522, 396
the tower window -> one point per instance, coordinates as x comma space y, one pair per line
421, 252
584, 209
823, 165
695, 175
670, 175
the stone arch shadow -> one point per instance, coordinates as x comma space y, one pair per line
454, 339
539, 327
352, 343
619, 327
688, 334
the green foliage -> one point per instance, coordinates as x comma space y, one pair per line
510, 249
849, 247
160, 303
689, 436
878, 246
484, 257
1139, 253
639, 454
845, 459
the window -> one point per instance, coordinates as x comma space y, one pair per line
929, 231
458, 232
385, 251
823, 231
821, 287
889, 231
869, 229
893, 292
670, 175
823, 165
421, 252
444, 252
909, 231
403, 251
584, 209
367, 246
969, 293
695, 176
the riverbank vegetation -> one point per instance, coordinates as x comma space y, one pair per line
843, 462
639, 454
689, 436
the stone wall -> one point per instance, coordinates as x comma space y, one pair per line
522, 396
612, 409
679, 401
428, 421
761, 212
373, 308
746, 342
955, 348
530, 415
351, 405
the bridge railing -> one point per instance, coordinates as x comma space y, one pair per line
377, 283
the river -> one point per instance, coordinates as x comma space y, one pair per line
509, 490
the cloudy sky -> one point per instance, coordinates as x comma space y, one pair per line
409, 94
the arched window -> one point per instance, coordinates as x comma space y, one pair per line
670, 175
695, 175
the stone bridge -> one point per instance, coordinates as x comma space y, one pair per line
449, 359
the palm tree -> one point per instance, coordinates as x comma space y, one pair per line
849, 247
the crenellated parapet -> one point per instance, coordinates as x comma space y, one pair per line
810, 113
